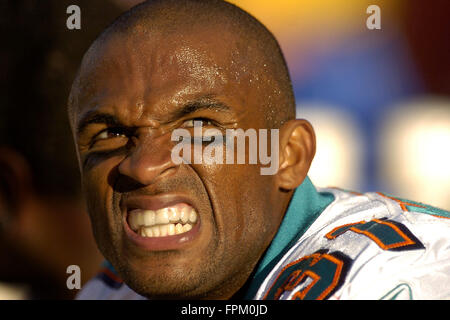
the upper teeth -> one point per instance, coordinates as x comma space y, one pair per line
162, 222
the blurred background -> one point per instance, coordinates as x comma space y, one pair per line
378, 99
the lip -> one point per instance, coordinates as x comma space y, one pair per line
173, 242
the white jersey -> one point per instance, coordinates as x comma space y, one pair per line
367, 246
361, 246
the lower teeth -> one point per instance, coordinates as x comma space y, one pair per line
163, 230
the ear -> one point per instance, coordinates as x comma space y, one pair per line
297, 150
15, 185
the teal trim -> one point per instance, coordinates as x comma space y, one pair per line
108, 265
424, 208
384, 233
305, 206
428, 209
403, 289
325, 268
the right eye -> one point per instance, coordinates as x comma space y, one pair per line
197, 121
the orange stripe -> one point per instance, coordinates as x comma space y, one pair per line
401, 203
407, 241
301, 294
111, 275
331, 237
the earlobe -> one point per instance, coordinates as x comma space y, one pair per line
297, 150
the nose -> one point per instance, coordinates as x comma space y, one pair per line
149, 160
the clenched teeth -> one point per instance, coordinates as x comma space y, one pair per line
169, 229
163, 222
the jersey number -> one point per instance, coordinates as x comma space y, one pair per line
319, 275
314, 277
388, 235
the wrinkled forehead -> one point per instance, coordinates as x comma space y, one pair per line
153, 65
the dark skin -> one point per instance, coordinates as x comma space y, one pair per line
147, 89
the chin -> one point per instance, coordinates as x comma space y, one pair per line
174, 283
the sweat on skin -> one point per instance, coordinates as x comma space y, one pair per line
222, 147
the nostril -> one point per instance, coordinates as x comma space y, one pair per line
124, 184
144, 171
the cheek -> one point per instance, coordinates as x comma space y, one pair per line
100, 203
242, 200
95, 188
98, 180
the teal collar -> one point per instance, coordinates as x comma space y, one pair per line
305, 206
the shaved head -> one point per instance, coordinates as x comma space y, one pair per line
255, 56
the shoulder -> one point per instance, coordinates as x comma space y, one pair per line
363, 246
107, 285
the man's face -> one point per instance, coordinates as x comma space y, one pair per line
132, 95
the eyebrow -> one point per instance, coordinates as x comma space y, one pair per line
198, 105
97, 117
91, 117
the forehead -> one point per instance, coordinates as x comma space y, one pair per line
161, 71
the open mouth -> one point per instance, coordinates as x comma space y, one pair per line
168, 221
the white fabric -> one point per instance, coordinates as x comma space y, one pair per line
376, 273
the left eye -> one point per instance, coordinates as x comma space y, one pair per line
197, 122
110, 133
